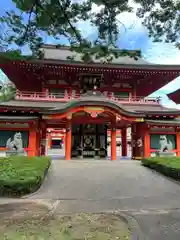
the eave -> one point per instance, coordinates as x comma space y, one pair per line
175, 122
17, 118
156, 68
175, 96
147, 78
42, 107
164, 113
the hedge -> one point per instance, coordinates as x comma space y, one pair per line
169, 166
22, 175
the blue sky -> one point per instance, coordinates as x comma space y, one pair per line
134, 37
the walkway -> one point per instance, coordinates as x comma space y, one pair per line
96, 186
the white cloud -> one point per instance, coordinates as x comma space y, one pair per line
3, 77
171, 87
170, 104
162, 53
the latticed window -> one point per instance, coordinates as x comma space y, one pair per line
5, 135
121, 94
57, 93
155, 140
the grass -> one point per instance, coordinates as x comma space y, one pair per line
22, 175
173, 162
71, 227
52, 229
169, 166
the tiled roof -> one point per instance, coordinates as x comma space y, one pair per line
53, 55
148, 108
168, 122
15, 118
31, 104
62, 53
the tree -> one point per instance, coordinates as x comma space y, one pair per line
7, 91
58, 18
162, 18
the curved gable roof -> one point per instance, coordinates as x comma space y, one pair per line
92, 102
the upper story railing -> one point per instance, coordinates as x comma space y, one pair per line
60, 97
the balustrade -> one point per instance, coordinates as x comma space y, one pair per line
60, 97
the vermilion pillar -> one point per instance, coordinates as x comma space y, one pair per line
178, 143
113, 143
124, 141
43, 138
140, 141
38, 138
146, 142
45, 91
33, 138
68, 140
49, 140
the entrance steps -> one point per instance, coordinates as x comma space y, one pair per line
60, 154
56, 152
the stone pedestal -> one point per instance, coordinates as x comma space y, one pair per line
165, 154
15, 153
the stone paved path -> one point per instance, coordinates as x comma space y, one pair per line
96, 186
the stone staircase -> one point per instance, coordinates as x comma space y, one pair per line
56, 152
60, 153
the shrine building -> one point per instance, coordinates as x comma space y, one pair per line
83, 103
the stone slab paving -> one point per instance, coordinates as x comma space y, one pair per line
121, 186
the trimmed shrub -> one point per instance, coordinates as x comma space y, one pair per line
22, 175
169, 166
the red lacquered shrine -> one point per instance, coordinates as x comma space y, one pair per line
85, 105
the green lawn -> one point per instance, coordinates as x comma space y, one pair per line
22, 175
169, 166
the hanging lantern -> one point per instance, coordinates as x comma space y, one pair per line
85, 80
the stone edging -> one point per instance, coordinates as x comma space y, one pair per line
36, 192
137, 233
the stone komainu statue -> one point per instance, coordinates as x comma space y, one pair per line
165, 145
15, 146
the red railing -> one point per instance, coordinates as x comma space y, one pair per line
40, 96
60, 97
135, 100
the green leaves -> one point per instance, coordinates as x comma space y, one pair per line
36, 19
22, 175
24, 5
162, 18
